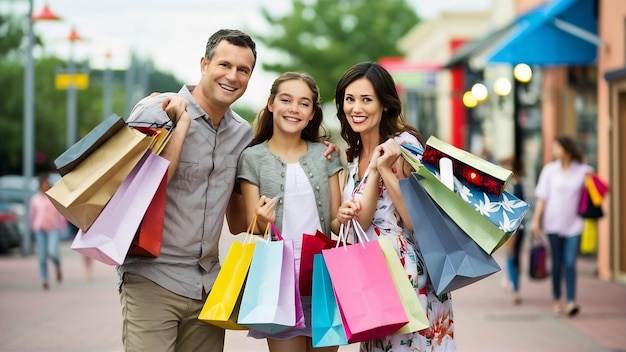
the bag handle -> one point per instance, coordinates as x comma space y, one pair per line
250, 231
359, 233
275, 231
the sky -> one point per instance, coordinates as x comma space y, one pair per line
172, 33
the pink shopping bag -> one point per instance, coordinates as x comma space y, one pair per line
110, 236
367, 297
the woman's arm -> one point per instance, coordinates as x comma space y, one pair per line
536, 224
391, 167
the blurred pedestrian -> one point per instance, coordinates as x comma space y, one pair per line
370, 113
558, 194
513, 246
47, 224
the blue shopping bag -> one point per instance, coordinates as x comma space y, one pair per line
268, 303
326, 326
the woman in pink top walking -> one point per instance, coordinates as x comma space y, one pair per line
46, 223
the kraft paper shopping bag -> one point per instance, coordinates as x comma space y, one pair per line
111, 234
452, 259
366, 294
222, 305
82, 193
326, 326
86, 145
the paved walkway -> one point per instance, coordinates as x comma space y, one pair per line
81, 315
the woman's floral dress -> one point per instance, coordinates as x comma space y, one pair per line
387, 222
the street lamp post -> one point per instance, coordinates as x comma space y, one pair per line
71, 91
29, 112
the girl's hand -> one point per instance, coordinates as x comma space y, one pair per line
266, 209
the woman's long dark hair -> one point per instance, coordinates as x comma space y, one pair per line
265, 118
392, 122
570, 147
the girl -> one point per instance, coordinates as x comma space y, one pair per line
286, 179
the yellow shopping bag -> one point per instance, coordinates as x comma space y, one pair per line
589, 238
221, 307
408, 297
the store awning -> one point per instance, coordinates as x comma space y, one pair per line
561, 32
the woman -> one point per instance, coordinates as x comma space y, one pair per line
286, 179
558, 194
370, 112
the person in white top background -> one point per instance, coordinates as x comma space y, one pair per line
558, 194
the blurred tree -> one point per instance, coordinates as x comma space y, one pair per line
51, 109
325, 37
11, 32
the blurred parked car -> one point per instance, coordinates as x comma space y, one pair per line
10, 235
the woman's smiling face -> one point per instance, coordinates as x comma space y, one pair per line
361, 105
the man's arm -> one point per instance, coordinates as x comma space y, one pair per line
236, 214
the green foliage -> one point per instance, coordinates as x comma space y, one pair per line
325, 37
11, 33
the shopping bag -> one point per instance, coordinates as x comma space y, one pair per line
112, 233
482, 230
160, 135
268, 302
452, 259
538, 266
311, 245
481, 173
222, 305
590, 206
412, 306
149, 236
506, 211
82, 193
368, 301
326, 326
589, 237
86, 145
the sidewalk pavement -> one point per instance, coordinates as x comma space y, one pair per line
82, 315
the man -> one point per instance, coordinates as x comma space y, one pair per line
162, 297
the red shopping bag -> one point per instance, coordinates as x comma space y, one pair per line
311, 245
147, 241
367, 297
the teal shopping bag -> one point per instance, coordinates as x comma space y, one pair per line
326, 326
268, 303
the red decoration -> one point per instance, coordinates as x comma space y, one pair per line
476, 177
